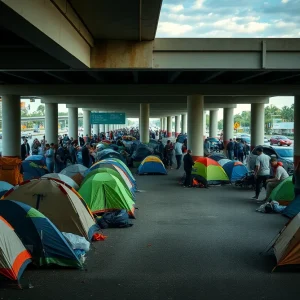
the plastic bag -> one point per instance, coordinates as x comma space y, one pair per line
77, 242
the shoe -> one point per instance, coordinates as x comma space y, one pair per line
254, 198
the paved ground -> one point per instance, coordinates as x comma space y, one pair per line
185, 244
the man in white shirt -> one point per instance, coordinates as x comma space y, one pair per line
178, 153
280, 174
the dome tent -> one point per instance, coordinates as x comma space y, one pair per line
152, 165
235, 170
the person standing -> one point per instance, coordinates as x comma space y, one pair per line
86, 155
206, 147
178, 153
188, 166
262, 171
60, 159
230, 150
169, 154
25, 150
50, 157
240, 151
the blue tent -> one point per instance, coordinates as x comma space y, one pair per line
293, 208
109, 153
4, 187
235, 170
35, 158
152, 165
217, 157
39, 235
33, 169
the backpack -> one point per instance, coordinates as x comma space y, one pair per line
10, 170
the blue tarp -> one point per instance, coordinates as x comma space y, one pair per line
293, 208
4, 187
235, 170
39, 235
33, 169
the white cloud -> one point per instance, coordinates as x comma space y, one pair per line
173, 29
198, 4
174, 8
231, 25
284, 1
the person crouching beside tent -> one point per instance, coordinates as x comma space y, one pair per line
188, 166
280, 174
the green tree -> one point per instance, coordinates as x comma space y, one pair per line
41, 109
287, 113
220, 124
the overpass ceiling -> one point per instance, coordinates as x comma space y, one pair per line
119, 19
136, 77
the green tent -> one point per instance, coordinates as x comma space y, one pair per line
112, 172
104, 192
284, 192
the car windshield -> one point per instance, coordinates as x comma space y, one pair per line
283, 152
283, 137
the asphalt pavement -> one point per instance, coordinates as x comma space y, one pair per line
185, 244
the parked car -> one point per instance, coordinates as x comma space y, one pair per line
36, 130
284, 155
266, 140
280, 140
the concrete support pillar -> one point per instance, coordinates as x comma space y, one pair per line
95, 129
184, 123
73, 122
87, 122
51, 122
102, 128
257, 124
11, 125
161, 123
296, 130
227, 125
144, 122
204, 124
165, 123
177, 125
195, 107
213, 123
169, 126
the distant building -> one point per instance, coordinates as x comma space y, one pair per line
283, 128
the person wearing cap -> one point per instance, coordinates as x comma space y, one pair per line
280, 174
262, 171
188, 166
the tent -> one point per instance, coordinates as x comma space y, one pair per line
4, 187
33, 169
235, 170
10, 170
223, 161
104, 192
284, 192
37, 158
141, 152
14, 258
61, 204
76, 172
287, 245
217, 157
209, 172
106, 163
63, 179
293, 208
39, 235
117, 172
152, 165
109, 153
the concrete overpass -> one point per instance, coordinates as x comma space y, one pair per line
85, 52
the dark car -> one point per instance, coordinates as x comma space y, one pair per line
284, 155
280, 140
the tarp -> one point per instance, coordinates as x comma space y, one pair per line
217, 157
76, 172
10, 170
117, 172
61, 204
293, 208
141, 152
152, 165
104, 192
209, 172
14, 258
235, 170
4, 187
39, 235
109, 153
63, 179
34, 169
287, 246
284, 192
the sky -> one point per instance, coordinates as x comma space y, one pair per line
229, 18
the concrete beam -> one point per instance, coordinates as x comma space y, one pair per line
51, 26
157, 99
151, 90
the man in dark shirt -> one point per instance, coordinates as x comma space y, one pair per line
25, 150
230, 149
86, 155
188, 166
